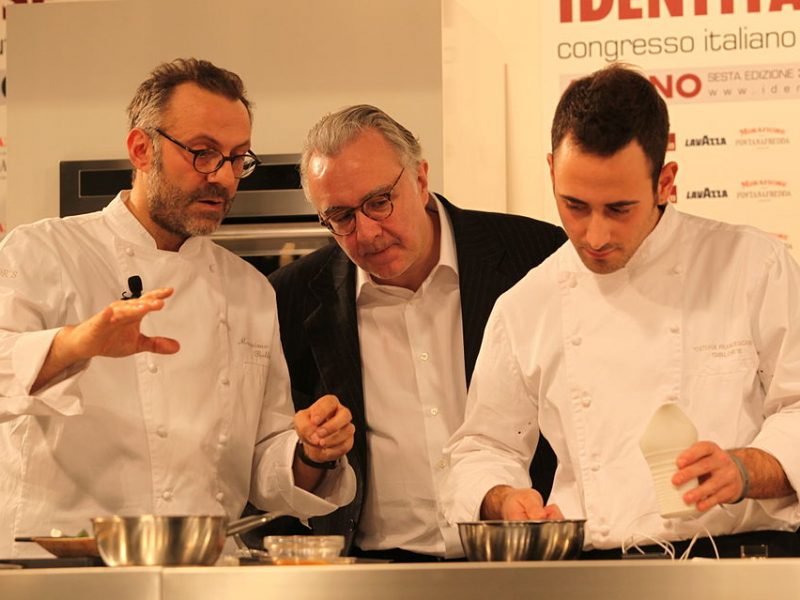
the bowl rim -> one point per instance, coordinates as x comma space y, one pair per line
504, 523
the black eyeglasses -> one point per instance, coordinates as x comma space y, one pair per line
378, 207
210, 161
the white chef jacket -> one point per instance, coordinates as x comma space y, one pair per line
705, 314
197, 432
415, 392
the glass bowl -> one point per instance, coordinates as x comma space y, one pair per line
304, 549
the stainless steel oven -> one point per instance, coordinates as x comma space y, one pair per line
270, 223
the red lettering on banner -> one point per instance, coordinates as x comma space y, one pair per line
674, 8
687, 85
752, 6
590, 13
565, 11
597, 10
626, 11
21, 2
777, 5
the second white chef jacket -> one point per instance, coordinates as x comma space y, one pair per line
705, 314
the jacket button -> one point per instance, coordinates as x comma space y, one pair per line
351, 524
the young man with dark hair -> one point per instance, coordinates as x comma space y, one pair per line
645, 306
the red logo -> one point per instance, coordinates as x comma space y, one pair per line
20, 2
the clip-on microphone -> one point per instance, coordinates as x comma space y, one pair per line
135, 285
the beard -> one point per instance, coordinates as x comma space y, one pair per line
170, 206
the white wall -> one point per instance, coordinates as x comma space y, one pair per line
513, 26
73, 67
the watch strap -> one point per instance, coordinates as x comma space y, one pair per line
300, 453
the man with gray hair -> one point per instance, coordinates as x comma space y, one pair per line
98, 414
390, 319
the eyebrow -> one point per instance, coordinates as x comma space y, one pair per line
203, 138
382, 189
617, 204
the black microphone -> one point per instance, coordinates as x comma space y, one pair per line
135, 285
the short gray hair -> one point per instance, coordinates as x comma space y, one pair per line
335, 130
154, 93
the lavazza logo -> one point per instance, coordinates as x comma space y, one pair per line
705, 140
706, 193
763, 189
762, 137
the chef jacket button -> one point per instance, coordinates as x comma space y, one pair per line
223, 438
674, 329
220, 496
351, 524
595, 467
212, 268
603, 530
224, 380
152, 367
668, 524
572, 282
576, 341
222, 318
129, 251
423, 356
586, 400
434, 411
442, 463
166, 495
161, 431
672, 398
676, 270
563, 277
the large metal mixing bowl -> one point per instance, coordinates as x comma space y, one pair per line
153, 540
521, 540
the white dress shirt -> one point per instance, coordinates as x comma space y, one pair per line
705, 314
412, 351
197, 432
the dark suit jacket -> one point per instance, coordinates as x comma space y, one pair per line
317, 315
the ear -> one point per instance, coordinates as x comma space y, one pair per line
666, 181
422, 179
140, 149
550, 165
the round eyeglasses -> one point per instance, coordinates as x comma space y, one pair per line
378, 207
209, 161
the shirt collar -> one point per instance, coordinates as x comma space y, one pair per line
448, 260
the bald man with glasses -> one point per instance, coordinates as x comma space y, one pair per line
389, 319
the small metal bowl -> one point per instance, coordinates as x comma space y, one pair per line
151, 540
521, 540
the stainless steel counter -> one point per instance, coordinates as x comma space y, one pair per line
634, 580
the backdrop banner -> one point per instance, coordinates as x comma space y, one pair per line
730, 73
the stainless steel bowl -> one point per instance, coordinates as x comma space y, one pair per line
150, 540
153, 540
521, 540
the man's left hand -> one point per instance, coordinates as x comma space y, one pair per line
325, 429
719, 478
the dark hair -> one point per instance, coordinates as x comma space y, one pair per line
605, 111
335, 130
153, 94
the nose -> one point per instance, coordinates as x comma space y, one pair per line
598, 232
224, 176
366, 228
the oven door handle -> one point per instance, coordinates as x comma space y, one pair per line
268, 232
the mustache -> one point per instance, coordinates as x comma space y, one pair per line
211, 191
